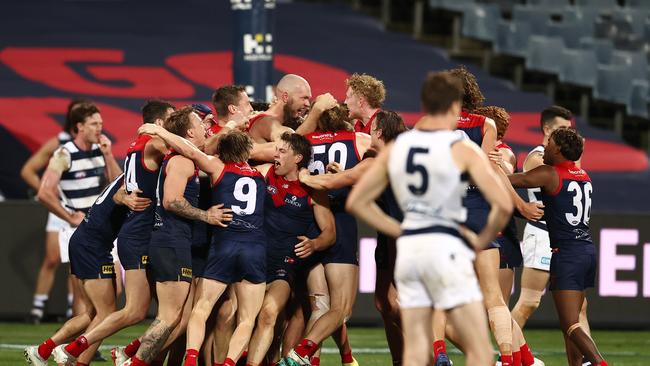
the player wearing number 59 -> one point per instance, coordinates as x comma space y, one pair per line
566, 193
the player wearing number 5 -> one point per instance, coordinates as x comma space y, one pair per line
566, 193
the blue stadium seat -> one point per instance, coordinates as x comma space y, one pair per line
643, 4
512, 38
602, 47
554, 3
480, 22
536, 17
453, 5
543, 54
579, 67
600, 4
638, 104
614, 84
504, 5
635, 63
631, 20
569, 31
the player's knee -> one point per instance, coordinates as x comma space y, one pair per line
529, 300
320, 304
226, 316
268, 316
570, 329
51, 262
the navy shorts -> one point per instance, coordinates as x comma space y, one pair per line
90, 256
476, 220
510, 252
199, 259
133, 252
232, 261
573, 267
346, 247
171, 263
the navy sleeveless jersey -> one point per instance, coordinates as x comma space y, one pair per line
568, 209
138, 176
169, 227
327, 147
201, 231
240, 188
472, 124
510, 230
104, 216
288, 209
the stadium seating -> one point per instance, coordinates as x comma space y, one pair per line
479, 22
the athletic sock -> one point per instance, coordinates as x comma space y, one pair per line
439, 347
506, 360
191, 356
77, 346
306, 348
132, 348
315, 361
516, 358
229, 362
347, 357
38, 305
45, 349
527, 358
217, 364
602, 363
135, 361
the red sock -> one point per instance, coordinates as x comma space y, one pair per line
132, 348
315, 361
191, 356
527, 358
77, 346
135, 361
306, 348
438, 348
217, 364
347, 357
506, 360
229, 362
244, 354
45, 349
603, 363
516, 358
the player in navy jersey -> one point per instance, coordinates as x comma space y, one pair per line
425, 167
364, 97
170, 252
566, 193
387, 127
290, 211
140, 176
92, 266
335, 141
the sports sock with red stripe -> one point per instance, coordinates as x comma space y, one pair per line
77, 346
45, 349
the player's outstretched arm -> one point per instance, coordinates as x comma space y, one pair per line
36, 163
361, 201
338, 180
489, 136
206, 163
322, 103
543, 176
263, 152
211, 142
179, 169
468, 157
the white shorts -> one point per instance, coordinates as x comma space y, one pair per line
435, 270
55, 223
536, 248
64, 242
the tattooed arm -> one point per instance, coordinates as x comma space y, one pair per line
178, 170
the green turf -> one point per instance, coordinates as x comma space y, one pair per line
620, 348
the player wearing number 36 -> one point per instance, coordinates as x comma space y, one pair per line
566, 193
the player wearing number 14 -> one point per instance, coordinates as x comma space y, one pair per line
566, 193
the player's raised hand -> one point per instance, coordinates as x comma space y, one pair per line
495, 157
218, 215
149, 129
334, 167
324, 102
77, 218
105, 144
305, 248
303, 174
532, 211
134, 202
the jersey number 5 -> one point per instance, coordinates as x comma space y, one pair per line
317, 165
583, 209
412, 167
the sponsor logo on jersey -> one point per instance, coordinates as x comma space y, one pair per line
289, 260
144, 259
293, 201
271, 189
108, 269
80, 174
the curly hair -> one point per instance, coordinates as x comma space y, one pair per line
499, 115
473, 98
335, 119
569, 141
368, 87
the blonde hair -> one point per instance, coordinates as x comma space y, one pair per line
368, 87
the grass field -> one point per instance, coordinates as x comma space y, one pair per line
621, 348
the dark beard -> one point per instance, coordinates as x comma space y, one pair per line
289, 121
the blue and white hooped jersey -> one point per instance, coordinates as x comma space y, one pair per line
80, 185
426, 182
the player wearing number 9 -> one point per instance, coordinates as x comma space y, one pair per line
566, 193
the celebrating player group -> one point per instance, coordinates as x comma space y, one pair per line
241, 223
